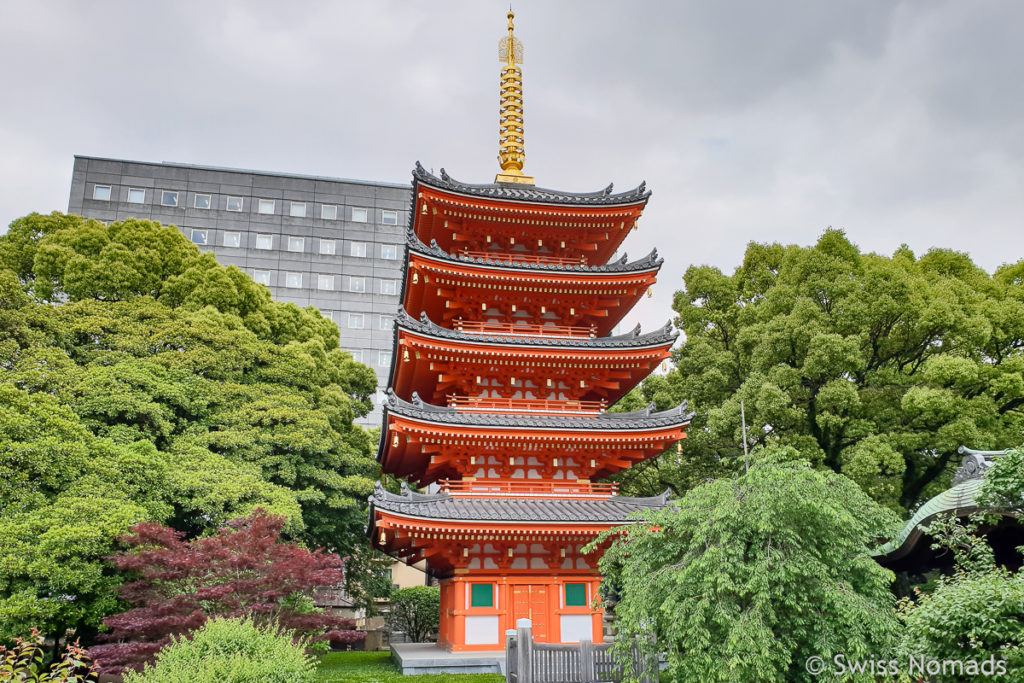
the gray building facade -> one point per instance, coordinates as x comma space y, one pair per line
331, 243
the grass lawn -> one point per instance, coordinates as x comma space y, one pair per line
377, 667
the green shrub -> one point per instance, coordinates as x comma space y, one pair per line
416, 612
25, 663
230, 651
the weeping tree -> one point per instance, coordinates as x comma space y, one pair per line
744, 578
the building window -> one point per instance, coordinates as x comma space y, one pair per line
136, 195
357, 284
359, 215
265, 206
355, 321
234, 204
357, 356
327, 247
389, 251
293, 280
203, 201
329, 212
480, 594
199, 237
168, 198
297, 209
296, 243
261, 277
384, 359
325, 282
389, 217
387, 322
101, 192
389, 287
232, 239
575, 595
264, 241
357, 249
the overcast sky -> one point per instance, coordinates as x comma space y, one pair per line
750, 121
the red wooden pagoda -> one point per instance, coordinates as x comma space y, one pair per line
503, 370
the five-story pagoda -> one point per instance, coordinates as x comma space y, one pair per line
503, 370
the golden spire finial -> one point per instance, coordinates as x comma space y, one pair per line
511, 152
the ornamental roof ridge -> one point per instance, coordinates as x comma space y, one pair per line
620, 265
646, 418
530, 193
632, 339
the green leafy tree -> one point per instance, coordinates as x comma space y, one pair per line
1002, 490
142, 381
875, 367
975, 616
743, 579
416, 612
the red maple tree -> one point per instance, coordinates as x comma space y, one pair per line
244, 569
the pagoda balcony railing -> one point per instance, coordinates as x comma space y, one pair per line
524, 257
486, 404
527, 488
525, 329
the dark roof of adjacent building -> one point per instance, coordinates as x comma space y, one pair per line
958, 500
630, 340
644, 419
621, 265
530, 193
442, 506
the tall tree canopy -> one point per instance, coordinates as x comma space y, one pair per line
143, 381
876, 367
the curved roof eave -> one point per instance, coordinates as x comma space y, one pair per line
529, 194
632, 340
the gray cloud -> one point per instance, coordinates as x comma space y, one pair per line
899, 122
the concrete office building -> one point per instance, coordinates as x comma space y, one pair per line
332, 243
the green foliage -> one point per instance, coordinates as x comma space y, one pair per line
25, 663
143, 381
230, 651
975, 614
743, 579
872, 366
416, 612
1003, 487
368, 577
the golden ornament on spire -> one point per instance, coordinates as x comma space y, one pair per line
511, 151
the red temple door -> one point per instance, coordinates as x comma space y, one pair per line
531, 602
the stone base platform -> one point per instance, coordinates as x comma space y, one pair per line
431, 658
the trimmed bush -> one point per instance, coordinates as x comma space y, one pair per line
230, 651
416, 612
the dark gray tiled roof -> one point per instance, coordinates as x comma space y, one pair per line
614, 509
635, 420
622, 265
630, 340
530, 193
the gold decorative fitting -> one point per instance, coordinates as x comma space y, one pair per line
511, 131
